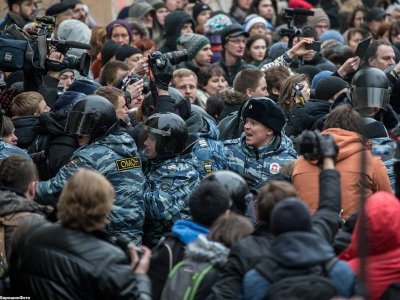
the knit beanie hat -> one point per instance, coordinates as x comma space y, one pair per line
265, 111
216, 23
84, 86
253, 19
64, 102
193, 43
116, 23
124, 51
319, 76
331, 35
198, 8
329, 86
108, 51
318, 17
123, 13
290, 214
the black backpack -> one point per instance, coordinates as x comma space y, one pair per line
306, 283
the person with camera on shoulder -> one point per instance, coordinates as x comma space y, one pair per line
344, 124
80, 262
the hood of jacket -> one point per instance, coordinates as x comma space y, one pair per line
349, 142
280, 144
172, 27
77, 31
300, 249
120, 142
26, 129
10, 202
187, 231
203, 250
139, 10
50, 125
209, 129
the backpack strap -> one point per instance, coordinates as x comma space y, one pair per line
199, 278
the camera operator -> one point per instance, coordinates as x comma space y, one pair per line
344, 124
20, 12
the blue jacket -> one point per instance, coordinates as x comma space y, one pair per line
6, 150
387, 158
170, 183
297, 249
188, 231
259, 164
115, 156
208, 149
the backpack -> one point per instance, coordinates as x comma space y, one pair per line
11, 220
307, 283
185, 279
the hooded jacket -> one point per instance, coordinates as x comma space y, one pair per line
26, 130
382, 212
115, 156
351, 146
295, 250
259, 163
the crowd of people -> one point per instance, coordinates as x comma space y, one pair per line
195, 153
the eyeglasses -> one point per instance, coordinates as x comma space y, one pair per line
237, 41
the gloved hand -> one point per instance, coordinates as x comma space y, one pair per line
328, 146
161, 68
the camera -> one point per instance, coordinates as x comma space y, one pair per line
291, 14
129, 79
316, 146
34, 47
158, 60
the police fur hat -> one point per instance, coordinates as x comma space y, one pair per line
265, 111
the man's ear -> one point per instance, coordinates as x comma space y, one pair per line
275, 91
371, 61
16, 8
30, 193
249, 93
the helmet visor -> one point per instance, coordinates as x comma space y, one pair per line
81, 123
364, 97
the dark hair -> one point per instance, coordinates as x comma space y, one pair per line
207, 72
17, 172
308, 31
269, 195
214, 106
247, 53
286, 96
207, 202
247, 79
394, 28
373, 47
353, 16
275, 77
109, 72
353, 31
344, 117
230, 228
382, 29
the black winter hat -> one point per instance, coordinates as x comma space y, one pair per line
308, 70
329, 86
232, 31
59, 8
265, 111
290, 214
124, 51
108, 51
198, 8
84, 86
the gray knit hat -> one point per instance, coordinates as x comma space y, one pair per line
319, 16
193, 43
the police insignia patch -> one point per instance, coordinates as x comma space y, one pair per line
71, 163
207, 165
274, 168
166, 184
127, 163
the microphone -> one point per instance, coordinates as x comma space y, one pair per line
70, 44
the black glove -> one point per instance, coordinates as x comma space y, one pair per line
162, 69
328, 146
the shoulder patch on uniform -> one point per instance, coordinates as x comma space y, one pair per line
166, 184
274, 168
71, 163
203, 143
207, 166
127, 163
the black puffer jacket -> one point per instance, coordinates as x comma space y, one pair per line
317, 110
26, 130
246, 253
297, 120
50, 261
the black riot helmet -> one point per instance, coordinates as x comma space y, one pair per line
237, 188
170, 131
92, 115
370, 89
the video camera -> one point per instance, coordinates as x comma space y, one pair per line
316, 146
28, 50
290, 15
158, 60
